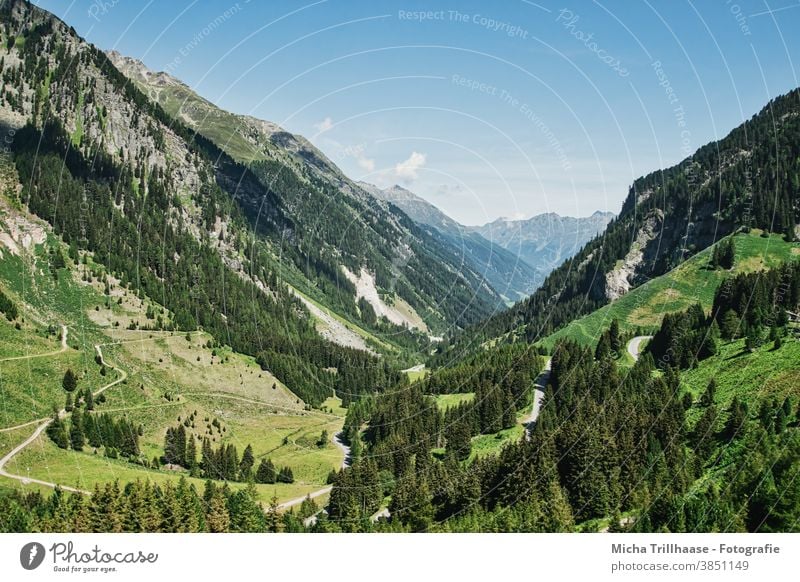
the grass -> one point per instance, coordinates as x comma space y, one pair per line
25, 342
77, 136
189, 366
333, 404
414, 375
445, 401
491, 444
689, 283
43, 460
30, 388
10, 439
765, 373
224, 128
169, 377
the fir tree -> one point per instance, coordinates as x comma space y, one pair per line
246, 464
273, 518
266, 472
58, 432
285, 475
70, 381
88, 399
76, 436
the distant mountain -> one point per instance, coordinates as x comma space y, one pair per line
746, 180
515, 256
511, 277
418, 209
545, 240
271, 249
383, 255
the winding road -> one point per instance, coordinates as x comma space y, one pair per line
61, 350
538, 394
46, 422
635, 345
64, 332
43, 423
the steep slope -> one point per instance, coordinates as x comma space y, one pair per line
693, 281
321, 203
67, 313
175, 218
545, 240
418, 209
511, 277
748, 179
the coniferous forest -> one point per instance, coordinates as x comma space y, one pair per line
225, 333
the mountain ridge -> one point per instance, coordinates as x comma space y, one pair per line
507, 252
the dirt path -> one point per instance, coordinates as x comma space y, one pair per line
297, 411
337, 440
18, 449
635, 345
23, 425
41, 428
61, 350
299, 500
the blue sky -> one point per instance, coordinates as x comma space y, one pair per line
486, 109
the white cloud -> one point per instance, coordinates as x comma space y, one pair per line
407, 170
359, 154
448, 190
365, 163
324, 125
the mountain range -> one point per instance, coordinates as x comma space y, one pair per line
514, 255
178, 282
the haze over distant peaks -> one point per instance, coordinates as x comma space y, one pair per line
528, 249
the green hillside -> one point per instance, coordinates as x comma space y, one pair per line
689, 283
166, 378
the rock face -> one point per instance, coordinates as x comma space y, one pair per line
400, 314
621, 278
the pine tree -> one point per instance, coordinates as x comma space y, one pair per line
737, 416
246, 464
710, 393
246, 514
307, 508
753, 337
704, 432
58, 432
729, 326
191, 456
285, 475
614, 340
217, 518
88, 399
273, 518
76, 436
68, 403
70, 381
710, 345
266, 472
603, 349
